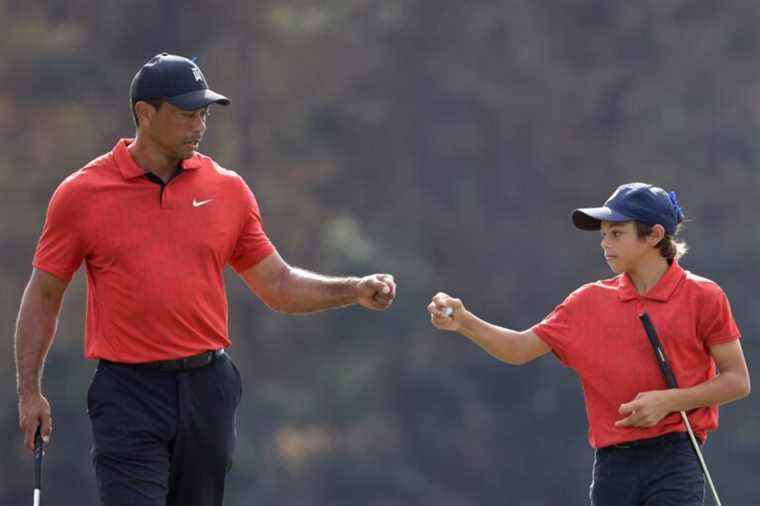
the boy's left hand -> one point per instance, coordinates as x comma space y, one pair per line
646, 409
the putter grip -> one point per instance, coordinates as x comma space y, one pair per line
659, 352
38, 450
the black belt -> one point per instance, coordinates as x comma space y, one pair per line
654, 441
178, 364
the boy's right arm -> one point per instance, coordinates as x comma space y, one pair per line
510, 346
35, 329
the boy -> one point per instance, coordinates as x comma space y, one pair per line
633, 418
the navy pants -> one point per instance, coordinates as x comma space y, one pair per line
663, 471
163, 438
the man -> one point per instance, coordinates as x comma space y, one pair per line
633, 418
155, 223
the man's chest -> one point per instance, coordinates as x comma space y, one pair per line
147, 222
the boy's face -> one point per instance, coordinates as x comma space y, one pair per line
623, 249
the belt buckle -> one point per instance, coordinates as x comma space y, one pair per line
196, 361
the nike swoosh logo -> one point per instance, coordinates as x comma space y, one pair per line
199, 203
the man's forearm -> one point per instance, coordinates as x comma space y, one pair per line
35, 329
302, 291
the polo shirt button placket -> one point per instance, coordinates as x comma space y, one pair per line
166, 202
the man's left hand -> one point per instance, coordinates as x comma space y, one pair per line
376, 291
646, 410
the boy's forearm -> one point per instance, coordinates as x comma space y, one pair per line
500, 342
722, 389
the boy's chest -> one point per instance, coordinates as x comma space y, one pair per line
612, 345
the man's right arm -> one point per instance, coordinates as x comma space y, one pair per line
35, 329
507, 345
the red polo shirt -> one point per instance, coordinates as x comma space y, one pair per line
596, 332
154, 253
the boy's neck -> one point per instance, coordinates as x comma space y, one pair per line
646, 275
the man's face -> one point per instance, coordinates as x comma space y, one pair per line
623, 248
177, 131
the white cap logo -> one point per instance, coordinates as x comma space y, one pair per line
197, 74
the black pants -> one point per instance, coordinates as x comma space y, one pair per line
662, 471
163, 438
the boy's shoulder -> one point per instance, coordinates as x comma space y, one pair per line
696, 285
701, 284
595, 290
699, 280
602, 286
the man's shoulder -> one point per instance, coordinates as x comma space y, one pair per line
215, 170
228, 179
86, 177
215, 167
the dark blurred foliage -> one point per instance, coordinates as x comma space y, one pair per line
439, 140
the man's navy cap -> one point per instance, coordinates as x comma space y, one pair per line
175, 79
641, 202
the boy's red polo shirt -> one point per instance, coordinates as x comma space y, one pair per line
155, 253
596, 332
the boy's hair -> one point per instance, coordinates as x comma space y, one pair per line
669, 248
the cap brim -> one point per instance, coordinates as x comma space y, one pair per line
591, 218
198, 100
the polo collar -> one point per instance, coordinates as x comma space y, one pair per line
660, 292
130, 169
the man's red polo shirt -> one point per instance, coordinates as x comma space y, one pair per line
155, 253
597, 333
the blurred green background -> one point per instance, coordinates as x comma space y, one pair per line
439, 140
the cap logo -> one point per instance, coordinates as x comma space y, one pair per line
197, 74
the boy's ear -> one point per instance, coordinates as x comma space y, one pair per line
657, 235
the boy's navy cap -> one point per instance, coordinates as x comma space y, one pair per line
175, 79
641, 202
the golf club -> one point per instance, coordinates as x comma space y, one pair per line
670, 379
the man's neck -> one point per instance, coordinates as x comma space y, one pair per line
648, 273
152, 158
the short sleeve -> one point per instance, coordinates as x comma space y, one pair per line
556, 329
61, 247
716, 322
252, 245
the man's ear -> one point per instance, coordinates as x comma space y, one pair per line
145, 113
657, 235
